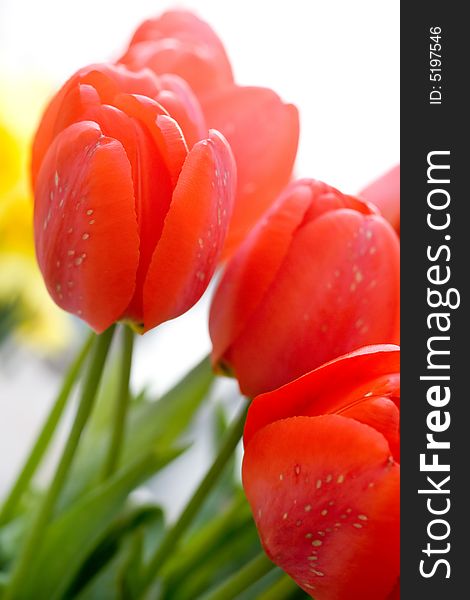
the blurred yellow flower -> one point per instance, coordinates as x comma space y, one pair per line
38, 321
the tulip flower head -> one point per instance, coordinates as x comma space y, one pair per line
131, 210
322, 478
262, 131
181, 43
317, 278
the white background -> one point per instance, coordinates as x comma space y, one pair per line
338, 61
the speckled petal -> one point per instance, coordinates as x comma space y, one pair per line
195, 226
337, 290
324, 492
86, 226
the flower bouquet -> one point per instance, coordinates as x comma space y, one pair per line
154, 175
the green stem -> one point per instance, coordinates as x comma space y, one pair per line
173, 535
42, 442
122, 404
46, 507
243, 579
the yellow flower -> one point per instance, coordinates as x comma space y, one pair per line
38, 321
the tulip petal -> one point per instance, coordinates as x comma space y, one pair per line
178, 42
164, 130
326, 198
337, 290
179, 100
263, 133
384, 192
195, 226
161, 152
324, 493
380, 413
372, 371
258, 261
182, 24
86, 226
108, 80
153, 143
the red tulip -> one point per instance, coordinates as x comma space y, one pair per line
129, 223
384, 192
317, 278
324, 489
179, 42
262, 131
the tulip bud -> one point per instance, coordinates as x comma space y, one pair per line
324, 488
262, 131
181, 43
317, 278
129, 221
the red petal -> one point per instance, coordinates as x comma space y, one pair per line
380, 413
263, 133
186, 255
157, 164
258, 261
325, 497
184, 107
111, 79
326, 198
178, 42
369, 372
63, 110
165, 132
181, 24
85, 225
337, 290
384, 192
47, 129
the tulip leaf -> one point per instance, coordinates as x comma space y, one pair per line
130, 523
152, 425
10, 538
217, 547
159, 424
231, 556
77, 531
120, 578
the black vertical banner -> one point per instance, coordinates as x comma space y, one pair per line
435, 237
